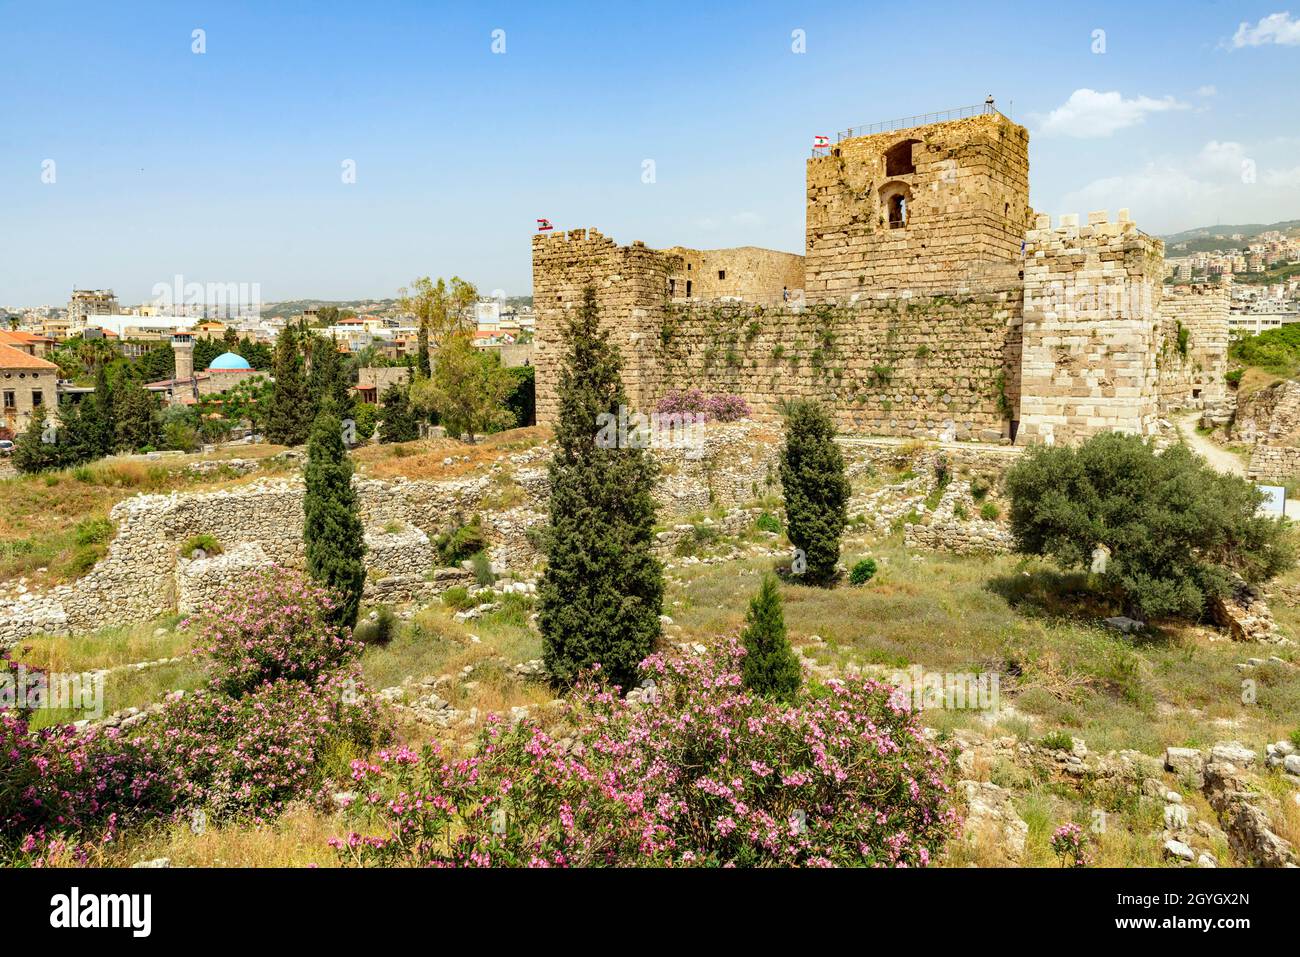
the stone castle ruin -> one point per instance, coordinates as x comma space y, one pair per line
931, 301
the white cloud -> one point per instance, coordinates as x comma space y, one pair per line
1208, 90
1088, 114
1207, 186
1275, 28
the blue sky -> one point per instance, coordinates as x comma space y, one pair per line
226, 166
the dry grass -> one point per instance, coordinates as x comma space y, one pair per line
41, 513
298, 838
426, 459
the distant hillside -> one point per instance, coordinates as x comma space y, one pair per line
294, 307
1208, 238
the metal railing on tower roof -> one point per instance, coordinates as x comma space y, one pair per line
907, 122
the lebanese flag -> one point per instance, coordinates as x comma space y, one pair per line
543, 225
821, 141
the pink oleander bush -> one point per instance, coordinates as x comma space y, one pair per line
282, 706
59, 781
253, 754
724, 407
275, 628
677, 402
702, 774
1071, 842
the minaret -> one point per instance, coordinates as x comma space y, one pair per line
183, 347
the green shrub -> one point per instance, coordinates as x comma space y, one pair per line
1295, 737
1233, 377
980, 487
94, 531
380, 629
990, 512
207, 543
1177, 531
959, 512
483, 573
768, 522
461, 543
458, 597
1057, 741
816, 489
863, 572
769, 667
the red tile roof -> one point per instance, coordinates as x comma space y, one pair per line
11, 358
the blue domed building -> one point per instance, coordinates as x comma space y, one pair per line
228, 361
187, 386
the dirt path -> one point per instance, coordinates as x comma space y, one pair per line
1220, 459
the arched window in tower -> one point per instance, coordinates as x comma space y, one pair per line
897, 211
895, 200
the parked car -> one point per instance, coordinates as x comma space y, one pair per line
6, 447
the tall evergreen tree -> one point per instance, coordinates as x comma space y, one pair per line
398, 421
770, 667
816, 490
332, 530
99, 415
138, 422
289, 418
602, 591
328, 381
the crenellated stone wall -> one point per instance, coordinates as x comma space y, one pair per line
1091, 329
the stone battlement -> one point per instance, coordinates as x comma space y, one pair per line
931, 300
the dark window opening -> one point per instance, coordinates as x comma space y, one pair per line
1196, 393
688, 289
722, 274
11, 400
898, 160
897, 211
672, 287
38, 397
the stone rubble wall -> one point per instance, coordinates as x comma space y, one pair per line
1193, 375
142, 574
1269, 421
199, 582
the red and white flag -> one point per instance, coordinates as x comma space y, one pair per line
543, 225
821, 141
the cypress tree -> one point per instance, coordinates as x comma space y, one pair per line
100, 417
332, 530
138, 423
602, 591
816, 490
398, 421
289, 418
328, 379
770, 667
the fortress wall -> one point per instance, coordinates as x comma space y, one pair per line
1194, 354
1091, 333
903, 366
